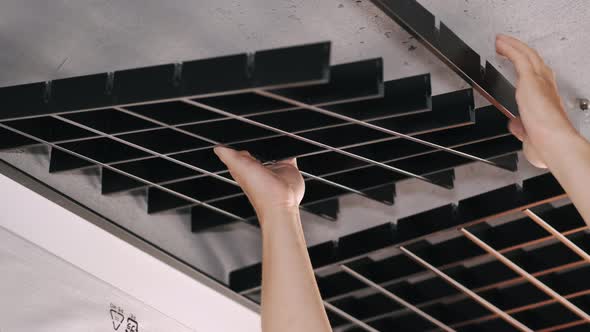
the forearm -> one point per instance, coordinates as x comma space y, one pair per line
290, 297
567, 155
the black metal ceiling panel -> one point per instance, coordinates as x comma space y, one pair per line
185, 138
132, 142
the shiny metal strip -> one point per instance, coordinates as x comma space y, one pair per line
396, 298
353, 319
561, 237
509, 319
533, 280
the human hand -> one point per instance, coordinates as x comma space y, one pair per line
542, 115
271, 189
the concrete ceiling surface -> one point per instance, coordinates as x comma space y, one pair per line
43, 40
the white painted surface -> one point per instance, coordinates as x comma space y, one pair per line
41, 292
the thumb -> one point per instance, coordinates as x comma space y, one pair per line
516, 127
239, 163
290, 162
532, 155
228, 156
244, 168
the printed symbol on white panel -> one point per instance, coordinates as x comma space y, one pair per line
117, 319
132, 325
117, 316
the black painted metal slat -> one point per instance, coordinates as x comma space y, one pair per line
289, 66
448, 47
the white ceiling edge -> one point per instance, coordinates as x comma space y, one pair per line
103, 255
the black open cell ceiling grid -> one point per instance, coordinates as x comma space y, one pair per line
156, 127
458, 267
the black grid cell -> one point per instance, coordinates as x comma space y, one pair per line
174, 112
245, 104
104, 150
50, 129
228, 131
165, 140
110, 121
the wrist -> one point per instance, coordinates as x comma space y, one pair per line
556, 143
268, 217
550, 129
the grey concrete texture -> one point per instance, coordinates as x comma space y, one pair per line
43, 40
